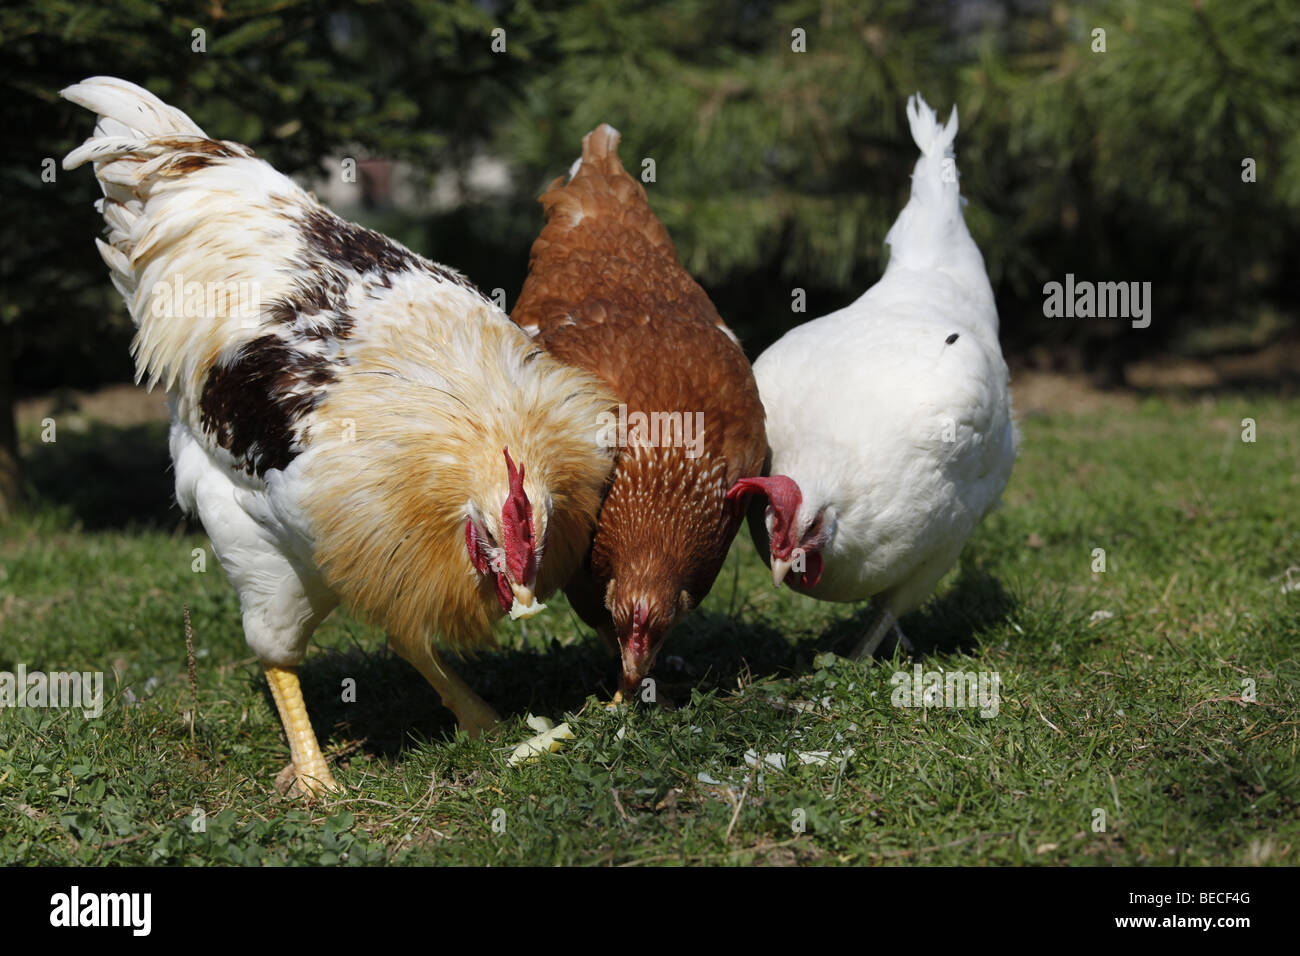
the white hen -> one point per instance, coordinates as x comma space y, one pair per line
890, 420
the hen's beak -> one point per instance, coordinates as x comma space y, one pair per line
638, 651
634, 670
780, 569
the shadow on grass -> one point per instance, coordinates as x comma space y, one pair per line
108, 477
975, 602
394, 703
707, 652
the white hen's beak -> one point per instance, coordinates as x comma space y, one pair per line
779, 570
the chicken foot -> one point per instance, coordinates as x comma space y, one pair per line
473, 713
308, 773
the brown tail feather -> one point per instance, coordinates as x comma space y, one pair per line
600, 189
600, 150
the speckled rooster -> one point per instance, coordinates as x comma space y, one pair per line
350, 422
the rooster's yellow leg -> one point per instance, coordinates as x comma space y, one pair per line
473, 713
311, 773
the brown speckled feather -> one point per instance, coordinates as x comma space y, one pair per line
606, 293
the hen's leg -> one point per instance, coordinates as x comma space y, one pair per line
902, 640
473, 713
881, 624
310, 773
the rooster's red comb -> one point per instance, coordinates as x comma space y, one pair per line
517, 526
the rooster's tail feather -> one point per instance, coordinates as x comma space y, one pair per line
139, 141
126, 112
201, 234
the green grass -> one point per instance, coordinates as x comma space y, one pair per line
1139, 715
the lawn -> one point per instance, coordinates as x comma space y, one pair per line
1147, 713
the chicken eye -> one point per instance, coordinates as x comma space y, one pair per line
479, 525
483, 549
685, 603
821, 529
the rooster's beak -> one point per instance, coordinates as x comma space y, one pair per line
779, 570
524, 595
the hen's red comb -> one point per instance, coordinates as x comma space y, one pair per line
780, 490
783, 494
517, 526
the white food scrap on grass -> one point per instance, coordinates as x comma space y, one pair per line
803, 706
821, 758
719, 788
1289, 584
548, 740
772, 761
815, 758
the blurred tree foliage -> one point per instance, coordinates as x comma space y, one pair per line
777, 168
777, 132
296, 80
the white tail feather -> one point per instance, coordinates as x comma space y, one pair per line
138, 140
930, 232
930, 137
127, 111
183, 209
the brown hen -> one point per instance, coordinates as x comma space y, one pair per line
606, 293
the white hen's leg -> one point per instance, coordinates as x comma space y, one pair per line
902, 638
881, 624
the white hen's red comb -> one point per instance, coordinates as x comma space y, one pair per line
781, 491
